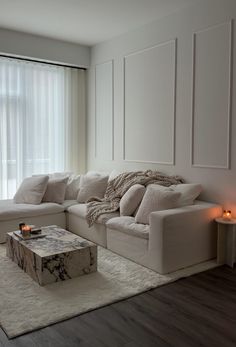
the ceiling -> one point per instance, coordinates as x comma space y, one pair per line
86, 22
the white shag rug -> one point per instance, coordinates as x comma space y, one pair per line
25, 306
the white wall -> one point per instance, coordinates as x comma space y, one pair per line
169, 99
38, 47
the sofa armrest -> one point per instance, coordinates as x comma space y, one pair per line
183, 236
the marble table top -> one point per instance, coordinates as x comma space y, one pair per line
56, 241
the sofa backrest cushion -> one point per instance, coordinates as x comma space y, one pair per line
92, 186
72, 188
189, 192
56, 190
31, 190
131, 199
156, 199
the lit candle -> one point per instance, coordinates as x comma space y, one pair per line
227, 215
26, 229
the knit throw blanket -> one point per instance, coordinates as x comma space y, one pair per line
117, 187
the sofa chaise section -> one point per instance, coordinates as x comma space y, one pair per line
12, 214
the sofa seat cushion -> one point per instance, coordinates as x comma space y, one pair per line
9, 210
80, 210
127, 225
68, 203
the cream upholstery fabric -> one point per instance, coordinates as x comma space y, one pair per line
128, 245
67, 203
9, 210
31, 190
159, 187
189, 192
182, 236
127, 225
91, 186
81, 209
96, 233
72, 188
56, 190
131, 200
155, 199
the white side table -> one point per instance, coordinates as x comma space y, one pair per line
226, 241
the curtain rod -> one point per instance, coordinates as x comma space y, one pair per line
42, 62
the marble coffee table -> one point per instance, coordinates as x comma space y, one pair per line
58, 256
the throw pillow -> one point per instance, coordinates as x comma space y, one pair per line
160, 187
92, 185
72, 188
31, 190
189, 192
155, 199
131, 199
56, 190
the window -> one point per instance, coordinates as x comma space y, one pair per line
38, 111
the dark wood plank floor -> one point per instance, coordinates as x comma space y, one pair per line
192, 312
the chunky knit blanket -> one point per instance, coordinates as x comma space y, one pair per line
117, 187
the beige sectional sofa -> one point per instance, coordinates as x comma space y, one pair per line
175, 238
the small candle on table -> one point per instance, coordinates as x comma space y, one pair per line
26, 229
227, 215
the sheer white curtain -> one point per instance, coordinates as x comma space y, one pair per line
40, 109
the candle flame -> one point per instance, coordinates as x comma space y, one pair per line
227, 214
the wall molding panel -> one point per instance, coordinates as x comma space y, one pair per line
149, 117
211, 96
104, 110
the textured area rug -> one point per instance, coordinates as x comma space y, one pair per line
25, 306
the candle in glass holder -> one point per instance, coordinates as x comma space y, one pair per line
26, 229
227, 215
21, 225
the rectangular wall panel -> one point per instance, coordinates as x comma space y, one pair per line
149, 104
211, 104
104, 111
